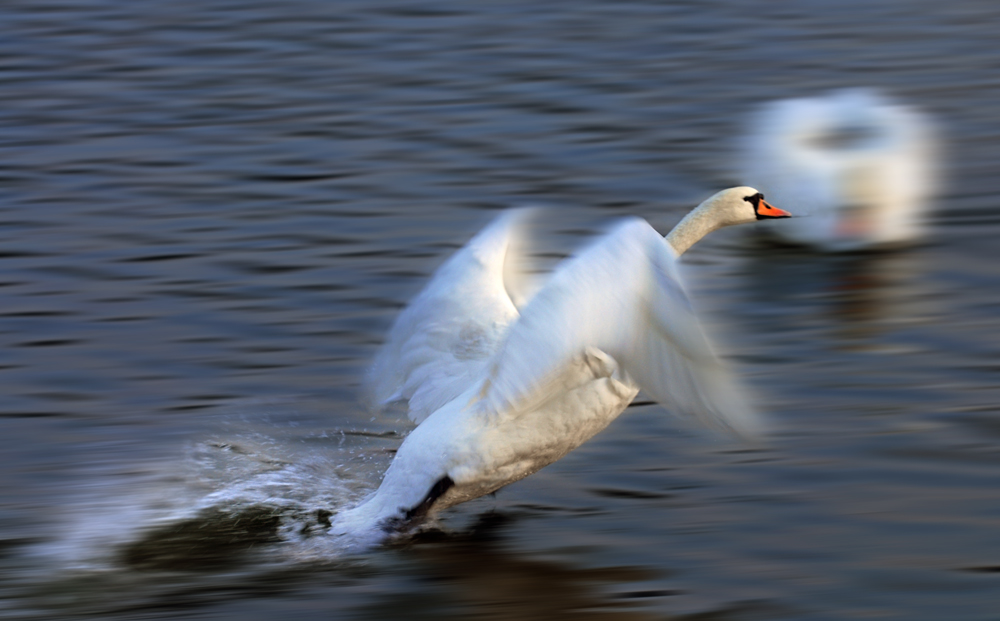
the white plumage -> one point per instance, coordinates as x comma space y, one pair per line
499, 392
859, 168
441, 342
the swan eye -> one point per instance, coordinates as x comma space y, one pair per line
754, 199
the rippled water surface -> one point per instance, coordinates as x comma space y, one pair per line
211, 211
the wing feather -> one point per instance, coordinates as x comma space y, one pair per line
442, 341
623, 295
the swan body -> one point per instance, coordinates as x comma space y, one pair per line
499, 392
859, 166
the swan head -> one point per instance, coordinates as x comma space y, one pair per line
739, 205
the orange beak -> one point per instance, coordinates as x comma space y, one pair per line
766, 210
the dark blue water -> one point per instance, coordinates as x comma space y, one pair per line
211, 211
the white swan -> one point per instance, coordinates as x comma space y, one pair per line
860, 167
499, 392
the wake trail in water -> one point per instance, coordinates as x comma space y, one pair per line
263, 494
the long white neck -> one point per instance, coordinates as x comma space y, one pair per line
701, 221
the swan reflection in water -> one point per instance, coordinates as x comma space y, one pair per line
851, 300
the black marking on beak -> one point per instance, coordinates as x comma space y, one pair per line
757, 200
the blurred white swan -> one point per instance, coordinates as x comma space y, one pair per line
858, 166
500, 391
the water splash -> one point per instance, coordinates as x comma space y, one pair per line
260, 488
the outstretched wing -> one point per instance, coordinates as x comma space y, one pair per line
624, 296
441, 342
